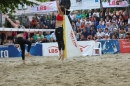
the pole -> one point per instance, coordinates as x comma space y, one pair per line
128, 6
0, 18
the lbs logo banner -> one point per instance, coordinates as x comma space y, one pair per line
50, 49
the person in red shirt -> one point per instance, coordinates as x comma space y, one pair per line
33, 22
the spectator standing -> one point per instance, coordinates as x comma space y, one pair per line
72, 16
96, 12
42, 19
78, 15
89, 14
83, 15
78, 23
53, 17
26, 22
33, 22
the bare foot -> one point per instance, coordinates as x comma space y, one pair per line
28, 55
60, 57
23, 62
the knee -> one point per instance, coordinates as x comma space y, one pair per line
62, 41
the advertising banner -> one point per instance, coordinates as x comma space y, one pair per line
50, 49
70, 40
115, 3
36, 49
45, 7
86, 47
84, 4
75, 5
124, 46
110, 46
15, 51
8, 51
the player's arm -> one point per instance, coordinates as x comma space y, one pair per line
11, 22
58, 7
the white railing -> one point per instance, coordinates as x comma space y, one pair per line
27, 30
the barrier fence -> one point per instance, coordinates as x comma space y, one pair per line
51, 49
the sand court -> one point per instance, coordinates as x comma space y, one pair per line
106, 70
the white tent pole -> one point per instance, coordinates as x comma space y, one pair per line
34, 1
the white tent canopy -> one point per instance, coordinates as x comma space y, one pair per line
44, 7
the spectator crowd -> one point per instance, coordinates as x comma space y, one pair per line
87, 25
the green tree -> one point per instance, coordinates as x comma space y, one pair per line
42, 0
7, 6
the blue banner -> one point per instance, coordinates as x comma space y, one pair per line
9, 51
110, 46
13, 51
36, 49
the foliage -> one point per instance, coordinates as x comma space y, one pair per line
42, 0
9, 6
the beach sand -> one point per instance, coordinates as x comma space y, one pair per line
105, 70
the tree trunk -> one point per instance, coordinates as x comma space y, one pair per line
0, 19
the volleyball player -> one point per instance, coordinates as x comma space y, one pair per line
59, 29
20, 40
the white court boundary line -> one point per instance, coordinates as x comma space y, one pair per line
26, 30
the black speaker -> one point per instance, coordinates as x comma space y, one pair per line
78, 0
65, 3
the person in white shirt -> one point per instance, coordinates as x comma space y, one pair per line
53, 36
107, 25
100, 33
95, 12
107, 37
88, 21
106, 31
38, 40
82, 20
102, 21
99, 38
72, 16
78, 23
